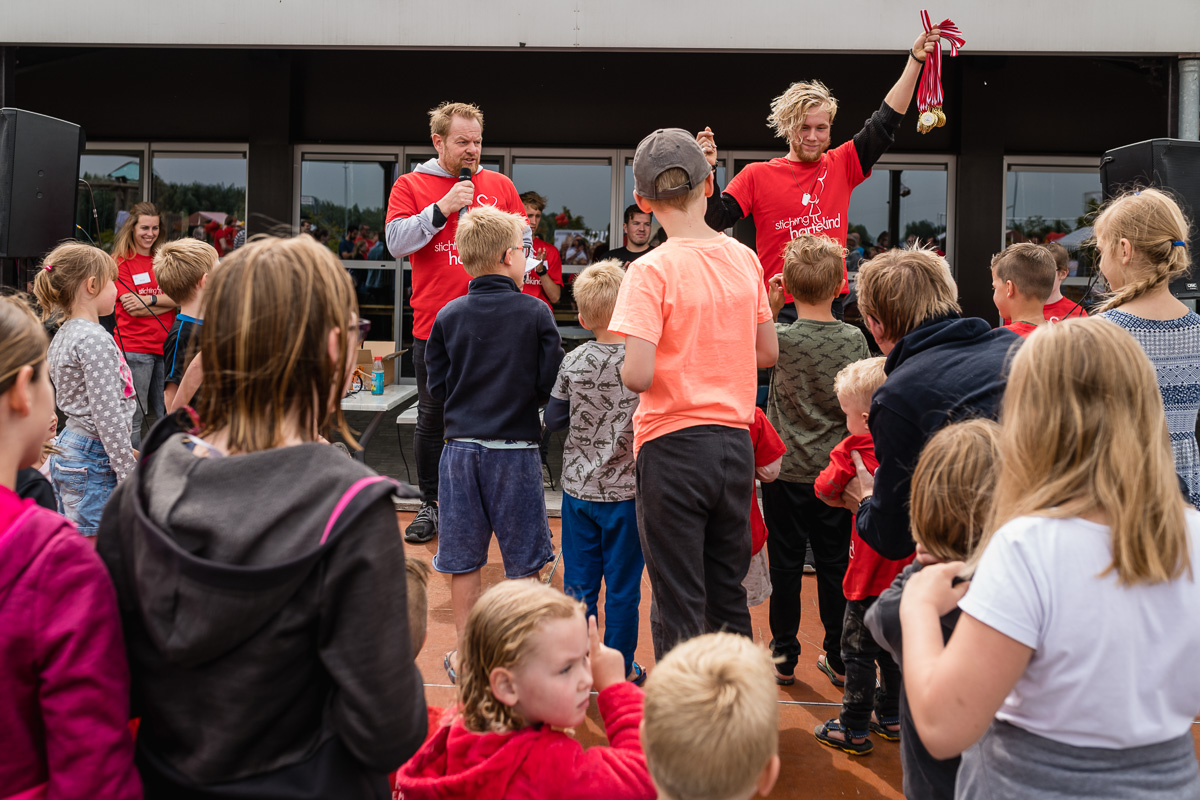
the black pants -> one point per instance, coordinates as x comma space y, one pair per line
694, 488
795, 517
861, 653
430, 435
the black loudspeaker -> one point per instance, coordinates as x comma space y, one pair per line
39, 175
1172, 164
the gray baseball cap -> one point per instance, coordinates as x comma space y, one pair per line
662, 150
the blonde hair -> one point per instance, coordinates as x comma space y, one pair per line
670, 179
440, 117
902, 289
416, 573
483, 237
814, 268
498, 631
65, 269
1062, 259
711, 717
1083, 430
952, 488
1030, 267
860, 379
1152, 222
124, 246
801, 99
596, 291
24, 340
179, 266
265, 343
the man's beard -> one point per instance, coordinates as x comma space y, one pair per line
808, 158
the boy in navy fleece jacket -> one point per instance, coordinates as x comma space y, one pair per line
492, 358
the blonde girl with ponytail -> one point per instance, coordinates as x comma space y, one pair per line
75, 284
1142, 239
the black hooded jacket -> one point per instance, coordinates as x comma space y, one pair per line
945, 370
268, 641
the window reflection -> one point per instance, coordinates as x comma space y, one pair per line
579, 209
919, 218
199, 194
1048, 204
116, 185
343, 204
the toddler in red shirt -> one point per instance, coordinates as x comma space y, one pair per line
526, 669
864, 709
768, 455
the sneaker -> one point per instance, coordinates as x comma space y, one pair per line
424, 526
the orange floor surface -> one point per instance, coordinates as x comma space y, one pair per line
809, 769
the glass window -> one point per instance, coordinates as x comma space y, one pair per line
115, 180
920, 214
579, 201
1045, 204
198, 193
337, 193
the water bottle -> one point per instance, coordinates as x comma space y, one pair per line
377, 383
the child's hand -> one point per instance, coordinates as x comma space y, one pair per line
775, 295
934, 586
924, 557
608, 665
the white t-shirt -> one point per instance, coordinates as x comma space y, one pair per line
1113, 666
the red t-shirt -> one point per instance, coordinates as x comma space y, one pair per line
437, 273
533, 284
1057, 311
1063, 308
140, 334
767, 447
788, 198
869, 573
1022, 329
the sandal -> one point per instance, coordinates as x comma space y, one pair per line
450, 673
837, 680
885, 727
783, 679
845, 744
637, 675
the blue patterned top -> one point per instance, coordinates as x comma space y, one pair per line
1173, 346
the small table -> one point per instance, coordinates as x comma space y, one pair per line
393, 395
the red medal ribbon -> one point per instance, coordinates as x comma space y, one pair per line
929, 92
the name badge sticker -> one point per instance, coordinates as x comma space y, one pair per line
141, 279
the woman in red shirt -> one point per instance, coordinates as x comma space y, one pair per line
144, 313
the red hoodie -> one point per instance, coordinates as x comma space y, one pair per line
536, 762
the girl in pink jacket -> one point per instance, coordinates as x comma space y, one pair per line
64, 681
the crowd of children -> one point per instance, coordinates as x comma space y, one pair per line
248, 600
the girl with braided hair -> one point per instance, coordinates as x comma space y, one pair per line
1142, 239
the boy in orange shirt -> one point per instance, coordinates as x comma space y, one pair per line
698, 326
1022, 281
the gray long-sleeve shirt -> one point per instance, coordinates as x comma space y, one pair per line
94, 388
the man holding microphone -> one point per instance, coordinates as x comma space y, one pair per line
422, 218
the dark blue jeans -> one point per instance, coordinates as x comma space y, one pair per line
861, 653
600, 542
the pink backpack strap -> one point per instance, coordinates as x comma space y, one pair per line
349, 495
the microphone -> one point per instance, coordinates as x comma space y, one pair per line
464, 174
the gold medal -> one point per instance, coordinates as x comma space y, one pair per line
941, 116
926, 122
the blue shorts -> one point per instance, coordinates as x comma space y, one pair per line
481, 490
83, 479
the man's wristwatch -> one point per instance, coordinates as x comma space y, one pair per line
541, 270
153, 300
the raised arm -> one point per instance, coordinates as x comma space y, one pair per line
722, 209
